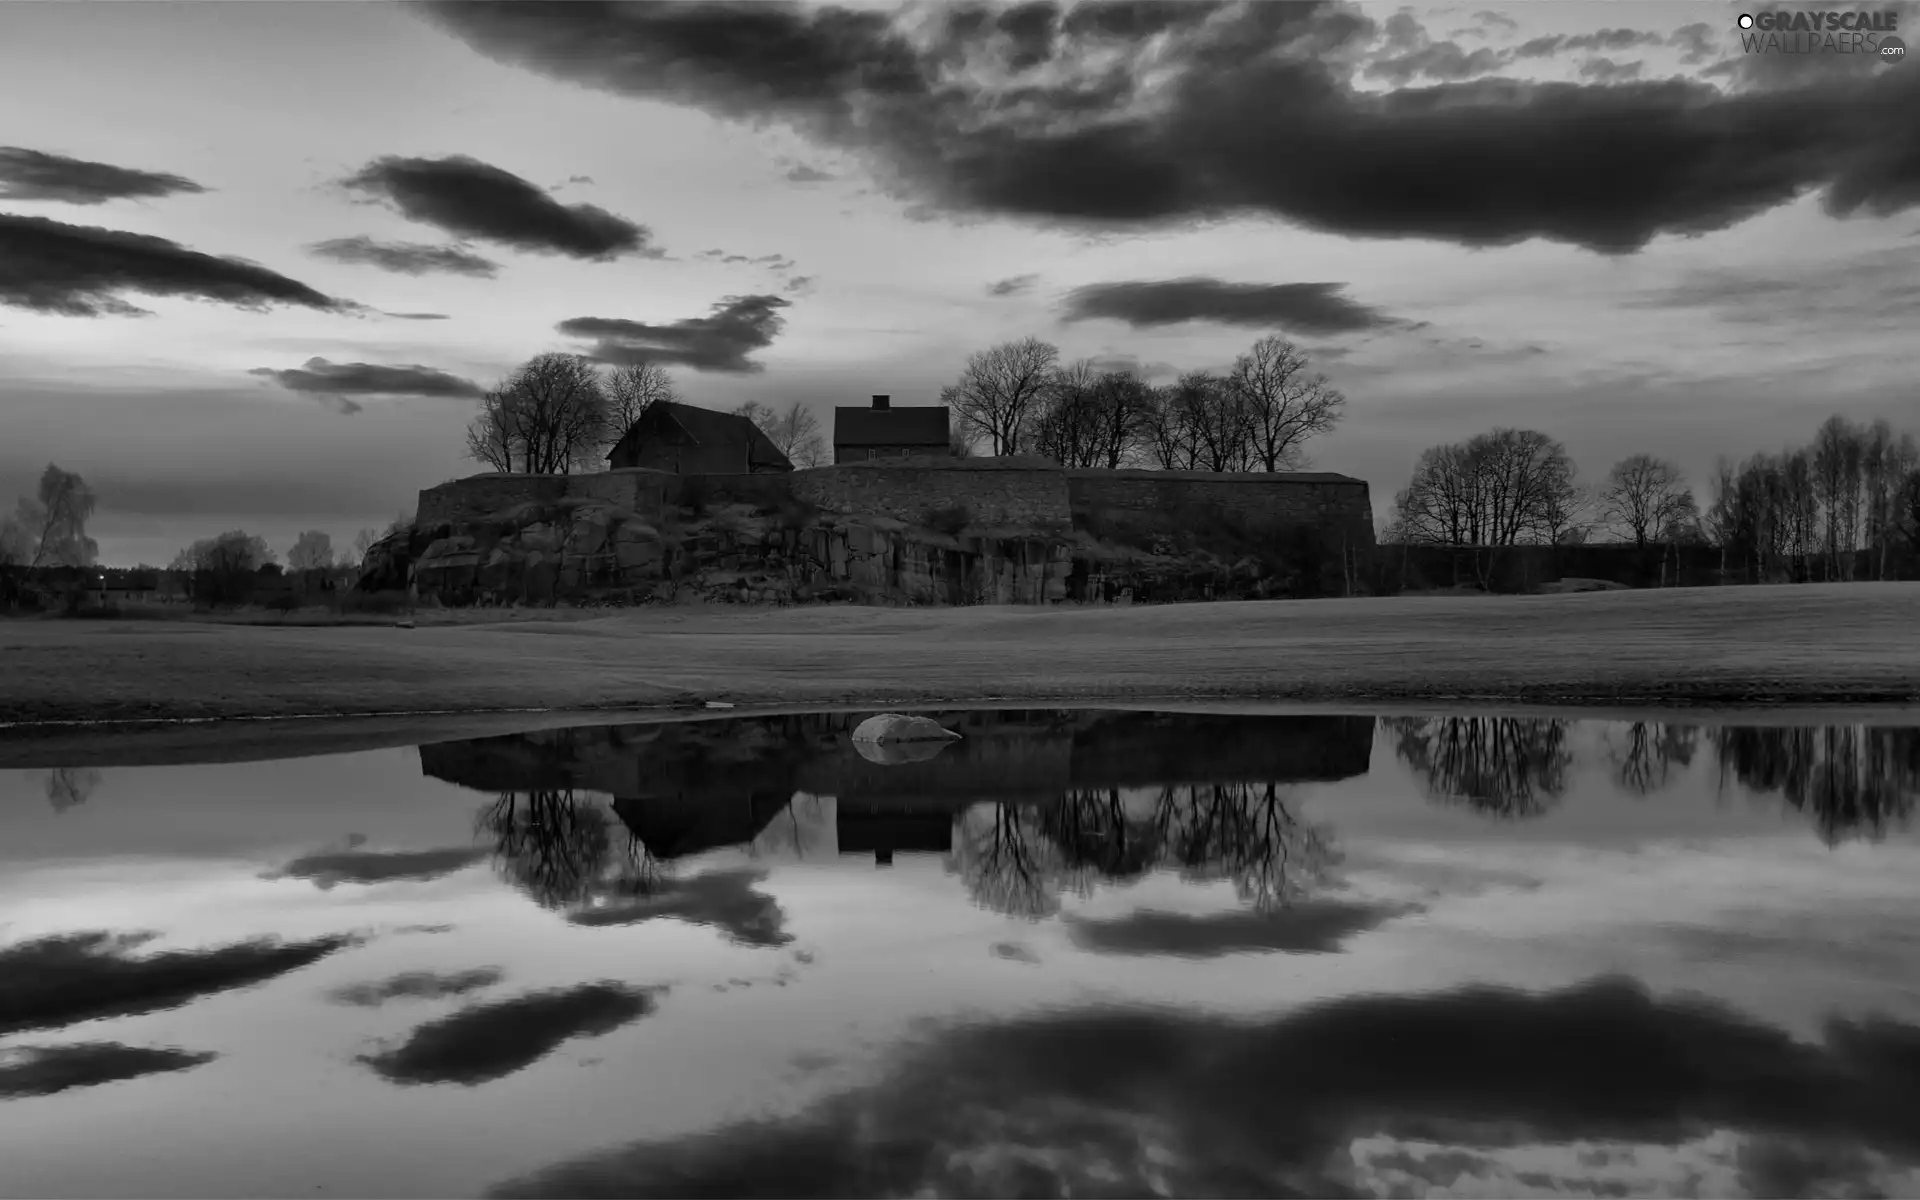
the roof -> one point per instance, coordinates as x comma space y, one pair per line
710, 427
926, 426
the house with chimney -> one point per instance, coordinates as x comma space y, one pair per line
689, 440
883, 431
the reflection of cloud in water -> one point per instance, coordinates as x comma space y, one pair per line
1135, 1102
331, 867
491, 1041
416, 985
1308, 927
722, 899
69, 978
44, 1070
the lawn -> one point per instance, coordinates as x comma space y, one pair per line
1808, 644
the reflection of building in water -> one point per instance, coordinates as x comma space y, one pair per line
884, 831
675, 826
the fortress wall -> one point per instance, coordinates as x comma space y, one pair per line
477, 496
994, 494
638, 489
1337, 505
1004, 493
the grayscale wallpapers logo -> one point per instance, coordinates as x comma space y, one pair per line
1778, 31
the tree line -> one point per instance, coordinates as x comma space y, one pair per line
1258, 414
1843, 506
558, 413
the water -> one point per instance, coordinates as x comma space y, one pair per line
1108, 953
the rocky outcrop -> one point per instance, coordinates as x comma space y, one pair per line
586, 549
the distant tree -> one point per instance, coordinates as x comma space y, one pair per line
794, 431
312, 551
999, 390
1282, 406
49, 529
401, 523
225, 566
959, 442
631, 390
1644, 498
1500, 489
546, 418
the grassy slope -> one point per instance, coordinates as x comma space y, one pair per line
1787, 644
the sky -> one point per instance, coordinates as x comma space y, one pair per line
257, 260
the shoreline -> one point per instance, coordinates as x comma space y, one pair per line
121, 689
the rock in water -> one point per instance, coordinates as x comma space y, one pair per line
894, 727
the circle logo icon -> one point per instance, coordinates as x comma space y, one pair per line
1892, 49
1746, 20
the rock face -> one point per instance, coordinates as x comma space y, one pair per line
538, 553
592, 551
895, 728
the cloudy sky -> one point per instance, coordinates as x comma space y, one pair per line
257, 259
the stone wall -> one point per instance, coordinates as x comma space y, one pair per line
1337, 505
640, 490
1028, 494
462, 500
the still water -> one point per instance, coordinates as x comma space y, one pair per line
1076, 953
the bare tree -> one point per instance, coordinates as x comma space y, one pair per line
1215, 420
549, 416
1167, 437
631, 390
1067, 426
1284, 406
794, 431
1000, 388
362, 542
1125, 406
312, 551
1644, 498
49, 529
1496, 490
960, 442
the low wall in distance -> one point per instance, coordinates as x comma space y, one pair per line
1338, 505
1011, 493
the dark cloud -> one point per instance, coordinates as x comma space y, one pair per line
1603, 40
318, 377
492, 1041
724, 900
472, 199
720, 341
1308, 307
800, 285
332, 867
416, 316
1606, 70
1494, 20
63, 980
1013, 285
1248, 109
1310, 927
416, 985
802, 173
1438, 60
80, 270
44, 1070
38, 175
406, 258
1163, 1102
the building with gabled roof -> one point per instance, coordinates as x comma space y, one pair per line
689, 440
883, 431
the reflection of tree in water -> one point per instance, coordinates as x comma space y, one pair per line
559, 849
1502, 766
1020, 859
69, 787
1851, 780
1645, 754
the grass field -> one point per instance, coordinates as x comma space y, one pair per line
1848, 643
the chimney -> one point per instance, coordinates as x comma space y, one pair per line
881, 401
